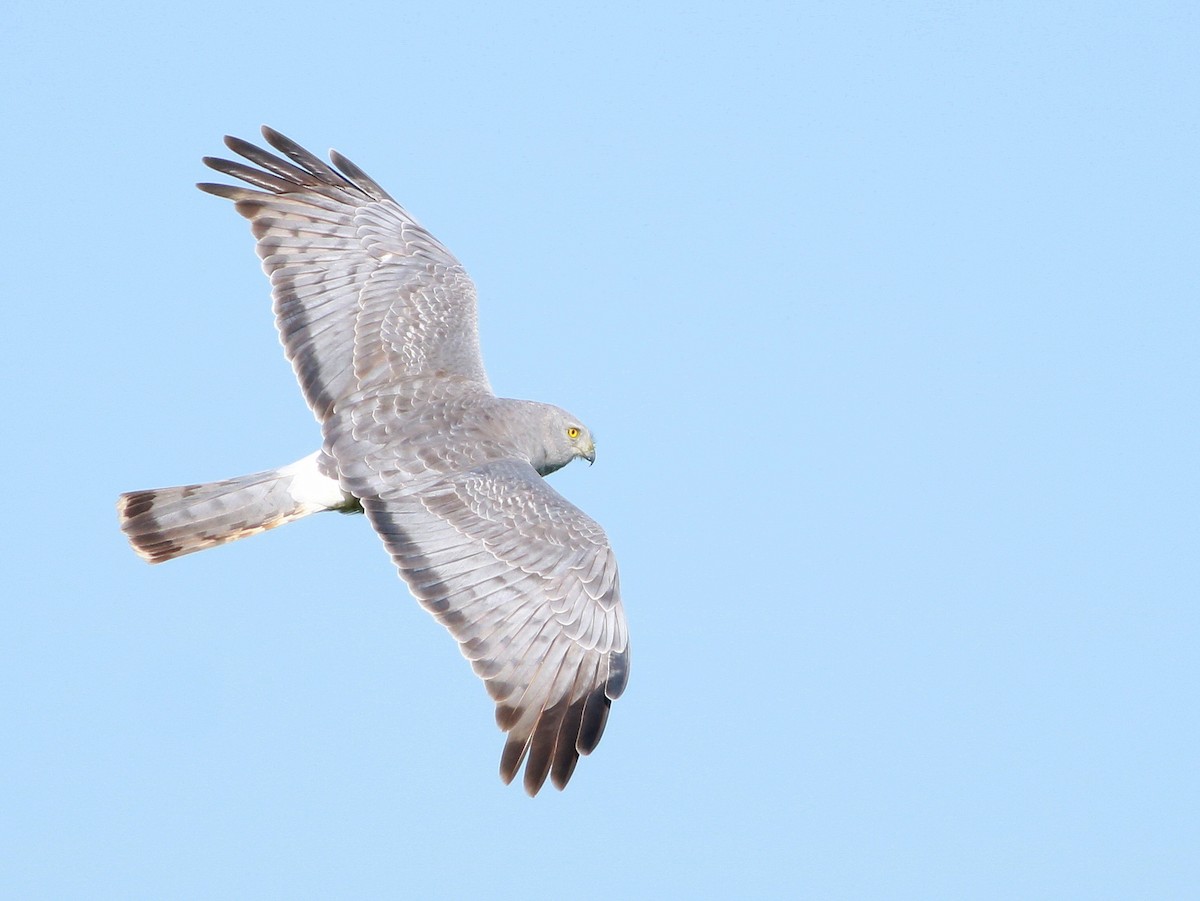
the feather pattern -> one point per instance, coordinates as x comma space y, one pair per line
365, 298
453, 541
379, 322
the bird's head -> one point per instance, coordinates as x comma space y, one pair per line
565, 438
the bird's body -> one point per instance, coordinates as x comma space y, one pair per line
379, 322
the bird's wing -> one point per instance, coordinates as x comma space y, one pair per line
527, 584
366, 300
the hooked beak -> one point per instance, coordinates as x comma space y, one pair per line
590, 453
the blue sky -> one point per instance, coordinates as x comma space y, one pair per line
885, 317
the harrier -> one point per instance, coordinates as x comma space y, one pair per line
379, 322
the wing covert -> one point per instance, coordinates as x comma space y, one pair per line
366, 300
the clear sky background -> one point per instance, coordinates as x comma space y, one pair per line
885, 316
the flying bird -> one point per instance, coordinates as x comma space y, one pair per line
379, 322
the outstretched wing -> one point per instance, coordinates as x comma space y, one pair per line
527, 584
379, 319
366, 300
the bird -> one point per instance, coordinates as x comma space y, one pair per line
379, 322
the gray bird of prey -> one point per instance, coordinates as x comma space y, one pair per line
379, 322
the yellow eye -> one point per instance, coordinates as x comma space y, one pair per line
572, 433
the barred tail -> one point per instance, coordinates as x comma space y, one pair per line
164, 523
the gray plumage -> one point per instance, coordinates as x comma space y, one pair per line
378, 320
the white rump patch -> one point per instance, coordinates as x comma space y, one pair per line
312, 489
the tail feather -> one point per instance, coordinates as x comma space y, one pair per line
164, 523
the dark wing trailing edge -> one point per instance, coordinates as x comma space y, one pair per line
528, 585
365, 299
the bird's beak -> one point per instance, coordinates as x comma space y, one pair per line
590, 453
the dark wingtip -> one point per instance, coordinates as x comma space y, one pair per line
618, 674
282, 142
218, 190
536, 772
241, 147
566, 751
559, 777
512, 758
593, 721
